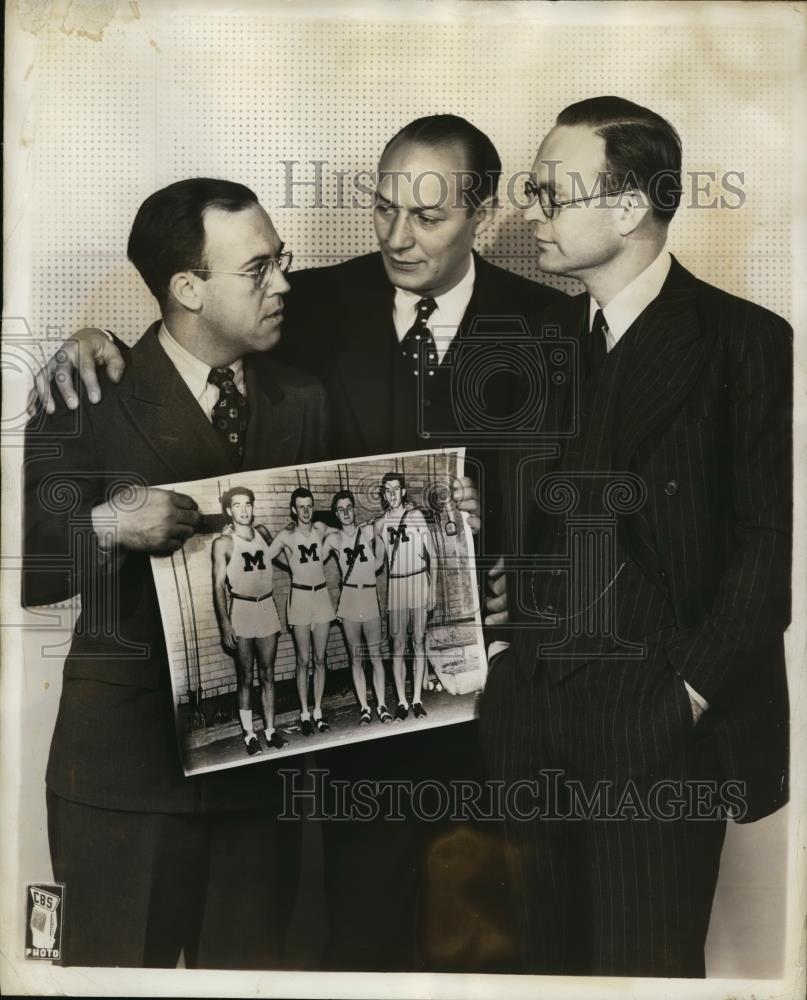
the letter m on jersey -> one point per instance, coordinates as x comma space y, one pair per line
253, 560
395, 533
354, 554
308, 552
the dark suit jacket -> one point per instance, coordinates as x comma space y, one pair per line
704, 417
114, 744
338, 324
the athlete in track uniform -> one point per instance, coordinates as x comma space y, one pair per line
246, 610
410, 551
360, 560
309, 611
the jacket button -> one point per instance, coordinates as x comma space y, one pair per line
671, 488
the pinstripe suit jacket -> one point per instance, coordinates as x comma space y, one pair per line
704, 417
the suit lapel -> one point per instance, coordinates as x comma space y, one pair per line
363, 368
167, 417
666, 361
275, 430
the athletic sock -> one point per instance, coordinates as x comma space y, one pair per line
304, 715
317, 714
246, 721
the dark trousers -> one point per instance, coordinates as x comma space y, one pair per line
616, 831
424, 891
142, 887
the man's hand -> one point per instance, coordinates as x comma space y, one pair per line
496, 595
141, 519
466, 497
228, 636
83, 351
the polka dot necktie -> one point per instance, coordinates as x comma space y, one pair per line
419, 334
230, 415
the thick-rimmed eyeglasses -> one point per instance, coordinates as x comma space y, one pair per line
260, 275
550, 206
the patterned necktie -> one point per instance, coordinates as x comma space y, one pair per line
230, 415
596, 349
420, 334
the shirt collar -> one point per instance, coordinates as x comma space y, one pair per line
193, 371
634, 298
446, 318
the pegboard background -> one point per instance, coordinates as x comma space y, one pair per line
158, 99
99, 118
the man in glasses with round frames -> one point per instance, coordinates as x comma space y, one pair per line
647, 686
157, 864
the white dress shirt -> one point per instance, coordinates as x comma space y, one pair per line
634, 298
194, 372
446, 318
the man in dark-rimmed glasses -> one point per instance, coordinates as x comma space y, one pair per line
645, 692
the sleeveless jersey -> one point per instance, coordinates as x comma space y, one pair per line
356, 552
305, 558
249, 572
408, 552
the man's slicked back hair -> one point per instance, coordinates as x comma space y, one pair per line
482, 168
642, 149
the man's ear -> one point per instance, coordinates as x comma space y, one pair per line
633, 210
184, 286
485, 214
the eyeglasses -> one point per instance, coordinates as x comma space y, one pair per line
549, 205
260, 275
345, 510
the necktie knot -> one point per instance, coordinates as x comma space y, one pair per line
223, 379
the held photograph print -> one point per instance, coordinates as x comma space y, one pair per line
321, 605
